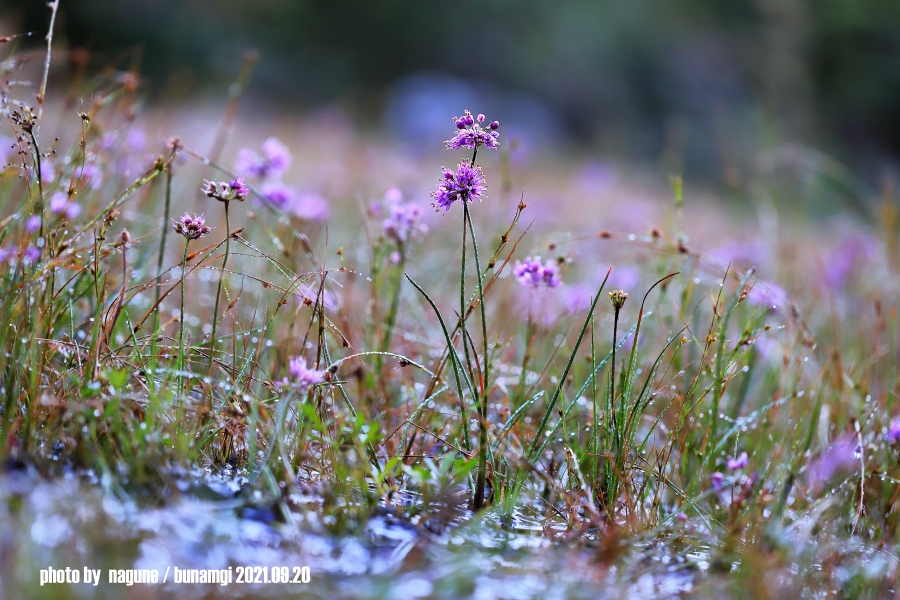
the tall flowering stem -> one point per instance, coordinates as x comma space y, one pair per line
162, 242
466, 184
192, 228
485, 385
618, 298
224, 192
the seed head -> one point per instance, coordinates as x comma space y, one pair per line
618, 298
24, 118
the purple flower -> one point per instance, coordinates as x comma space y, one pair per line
532, 273
275, 160
767, 295
92, 175
62, 205
841, 457
4, 254
893, 435
191, 228
33, 223
472, 135
310, 206
279, 194
402, 223
738, 463
31, 255
225, 191
717, 480
467, 184
304, 377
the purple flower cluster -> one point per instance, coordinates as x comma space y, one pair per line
273, 162
472, 135
12, 256
62, 205
303, 376
191, 228
893, 434
531, 273
735, 464
225, 191
466, 184
402, 222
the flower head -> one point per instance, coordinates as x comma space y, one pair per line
225, 191
278, 193
191, 228
303, 376
62, 205
618, 298
893, 435
531, 273
402, 222
25, 117
309, 206
274, 161
737, 463
33, 223
471, 134
31, 254
466, 184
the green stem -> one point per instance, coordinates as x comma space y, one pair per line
485, 384
212, 339
181, 317
162, 242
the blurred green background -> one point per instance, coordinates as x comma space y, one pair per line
702, 85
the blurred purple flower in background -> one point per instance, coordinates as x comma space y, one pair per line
767, 294
531, 273
305, 377
62, 205
893, 435
842, 261
31, 255
273, 162
738, 463
309, 206
841, 457
91, 175
467, 184
279, 194
33, 223
403, 220
744, 254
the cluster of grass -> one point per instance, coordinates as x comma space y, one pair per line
601, 422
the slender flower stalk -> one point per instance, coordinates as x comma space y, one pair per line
223, 192
162, 242
192, 228
617, 297
466, 184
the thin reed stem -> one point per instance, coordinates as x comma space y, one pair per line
181, 318
215, 322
